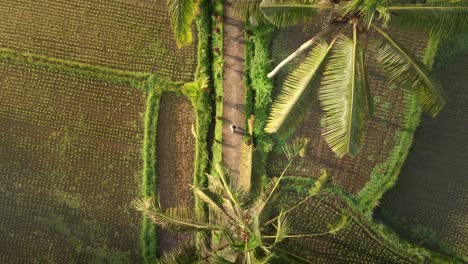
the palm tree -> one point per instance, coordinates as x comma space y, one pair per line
181, 15
336, 63
248, 229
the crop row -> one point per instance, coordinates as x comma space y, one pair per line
115, 34
89, 108
47, 175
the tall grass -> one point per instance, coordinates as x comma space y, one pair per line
148, 236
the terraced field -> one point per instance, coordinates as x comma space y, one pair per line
70, 164
429, 204
355, 242
121, 34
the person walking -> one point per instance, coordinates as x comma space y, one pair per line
233, 128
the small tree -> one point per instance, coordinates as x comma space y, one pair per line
248, 228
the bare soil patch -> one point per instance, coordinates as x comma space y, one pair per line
175, 152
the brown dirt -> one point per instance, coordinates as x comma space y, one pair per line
234, 90
175, 157
61, 174
351, 174
431, 190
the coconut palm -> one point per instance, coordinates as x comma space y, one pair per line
336, 66
247, 228
181, 15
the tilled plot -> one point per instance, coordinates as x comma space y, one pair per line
175, 156
121, 34
69, 165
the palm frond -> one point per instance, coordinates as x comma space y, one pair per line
228, 189
342, 98
295, 96
369, 102
245, 165
248, 10
213, 201
441, 17
408, 72
297, 147
319, 183
283, 227
304, 47
259, 204
290, 12
181, 15
339, 224
367, 10
263, 260
251, 123
220, 260
180, 254
173, 219
216, 185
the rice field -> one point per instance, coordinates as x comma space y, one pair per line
132, 35
70, 151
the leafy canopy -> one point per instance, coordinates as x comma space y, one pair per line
246, 228
335, 65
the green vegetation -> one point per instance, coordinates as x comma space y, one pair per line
359, 241
337, 68
261, 88
148, 234
385, 172
147, 63
104, 101
248, 229
428, 199
217, 34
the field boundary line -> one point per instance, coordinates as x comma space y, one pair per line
148, 236
82, 70
385, 174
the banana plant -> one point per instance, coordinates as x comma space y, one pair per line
247, 228
335, 65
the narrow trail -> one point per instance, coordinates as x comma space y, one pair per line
234, 90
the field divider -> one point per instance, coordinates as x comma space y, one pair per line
385, 174
148, 236
136, 80
376, 231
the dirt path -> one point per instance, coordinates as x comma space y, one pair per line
234, 51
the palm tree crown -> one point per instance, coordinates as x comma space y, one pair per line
247, 228
336, 66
